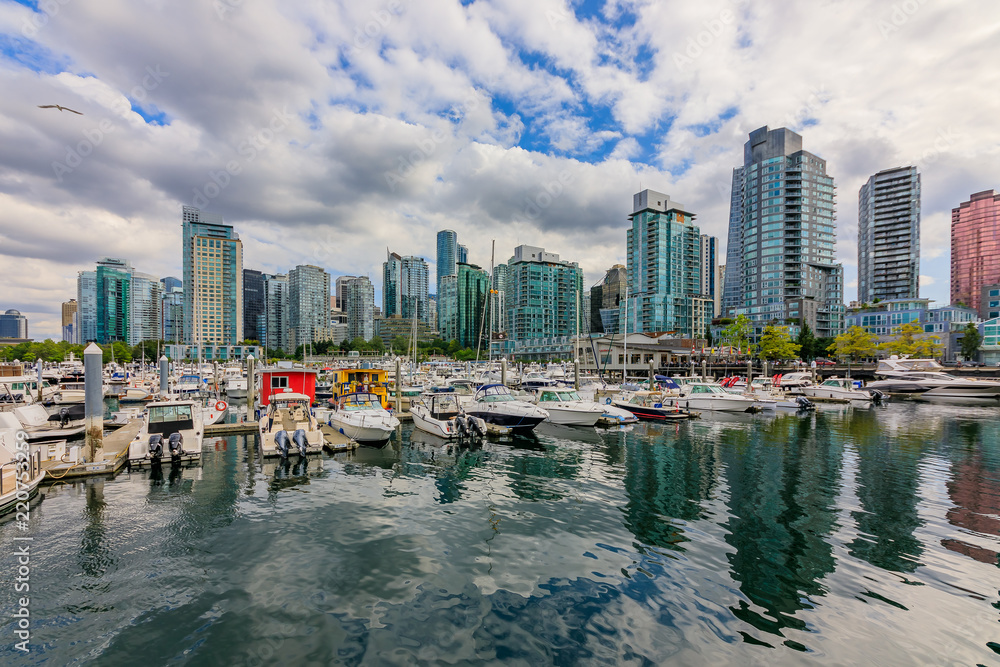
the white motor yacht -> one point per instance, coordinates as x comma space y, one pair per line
712, 397
566, 407
20, 471
442, 415
837, 389
360, 416
927, 378
495, 404
171, 432
39, 426
289, 426
235, 383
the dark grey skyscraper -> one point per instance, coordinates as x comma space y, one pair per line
732, 293
786, 215
889, 235
254, 315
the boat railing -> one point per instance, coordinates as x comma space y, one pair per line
34, 466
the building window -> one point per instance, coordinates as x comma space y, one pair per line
279, 382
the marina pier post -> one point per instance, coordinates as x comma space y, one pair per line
164, 377
38, 370
503, 371
704, 369
576, 374
763, 373
651, 372
749, 371
251, 386
93, 379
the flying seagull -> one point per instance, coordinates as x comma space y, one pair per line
56, 106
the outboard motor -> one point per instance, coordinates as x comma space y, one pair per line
281, 443
299, 437
155, 446
804, 403
477, 426
176, 444
877, 397
63, 417
462, 426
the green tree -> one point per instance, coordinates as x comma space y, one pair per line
376, 344
971, 340
854, 344
776, 343
738, 333
907, 343
807, 343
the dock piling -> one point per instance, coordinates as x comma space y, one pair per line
164, 377
93, 379
576, 374
251, 385
399, 386
503, 371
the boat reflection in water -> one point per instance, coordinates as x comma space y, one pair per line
854, 535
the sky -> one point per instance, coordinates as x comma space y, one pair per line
329, 131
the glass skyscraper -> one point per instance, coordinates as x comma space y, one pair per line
213, 279
447, 255
889, 236
544, 296
86, 298
732, 291
471, 286
783, 222
404, 288
975, 247
114, 293
664, 267
276, 312
308, 304
359, 305
145, 308
253, 305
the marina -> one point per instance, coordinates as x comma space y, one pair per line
850, 535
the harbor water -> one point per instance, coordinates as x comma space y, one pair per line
850, 536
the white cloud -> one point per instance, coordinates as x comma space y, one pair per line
450, 94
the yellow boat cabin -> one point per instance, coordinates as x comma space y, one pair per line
350, 380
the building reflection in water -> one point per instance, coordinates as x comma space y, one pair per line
974, 488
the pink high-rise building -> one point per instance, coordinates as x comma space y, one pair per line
975, 247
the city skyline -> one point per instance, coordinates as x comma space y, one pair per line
484, 135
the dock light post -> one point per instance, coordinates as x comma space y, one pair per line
93, 380
164, 377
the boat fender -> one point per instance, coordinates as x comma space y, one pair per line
155, 446
176, 444
281, 443
299, 437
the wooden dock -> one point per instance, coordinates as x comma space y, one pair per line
334, 441
115, 455
246, 428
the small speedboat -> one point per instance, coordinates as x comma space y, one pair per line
495, 404
441, 414
288, 426
567, 408
360, 416
653, 406
840, 389
171, 432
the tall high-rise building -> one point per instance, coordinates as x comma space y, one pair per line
254, 316
172, 312
169, 283
145, 308
447, 309
13, 325
709, 270
471, 287
545, 296
340, 283
213, 279
276, 330
975, 247
86, 297
463, 254
889, 236
114, 293
606, 298
783, 220
732, 291
404, 288
308, 304
447, 255
70, 318
498, 299
359, 304
664, 267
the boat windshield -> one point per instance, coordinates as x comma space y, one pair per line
834, 383
494, 393
706, 389
569, 396
549, 396
360, 402
159, 414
